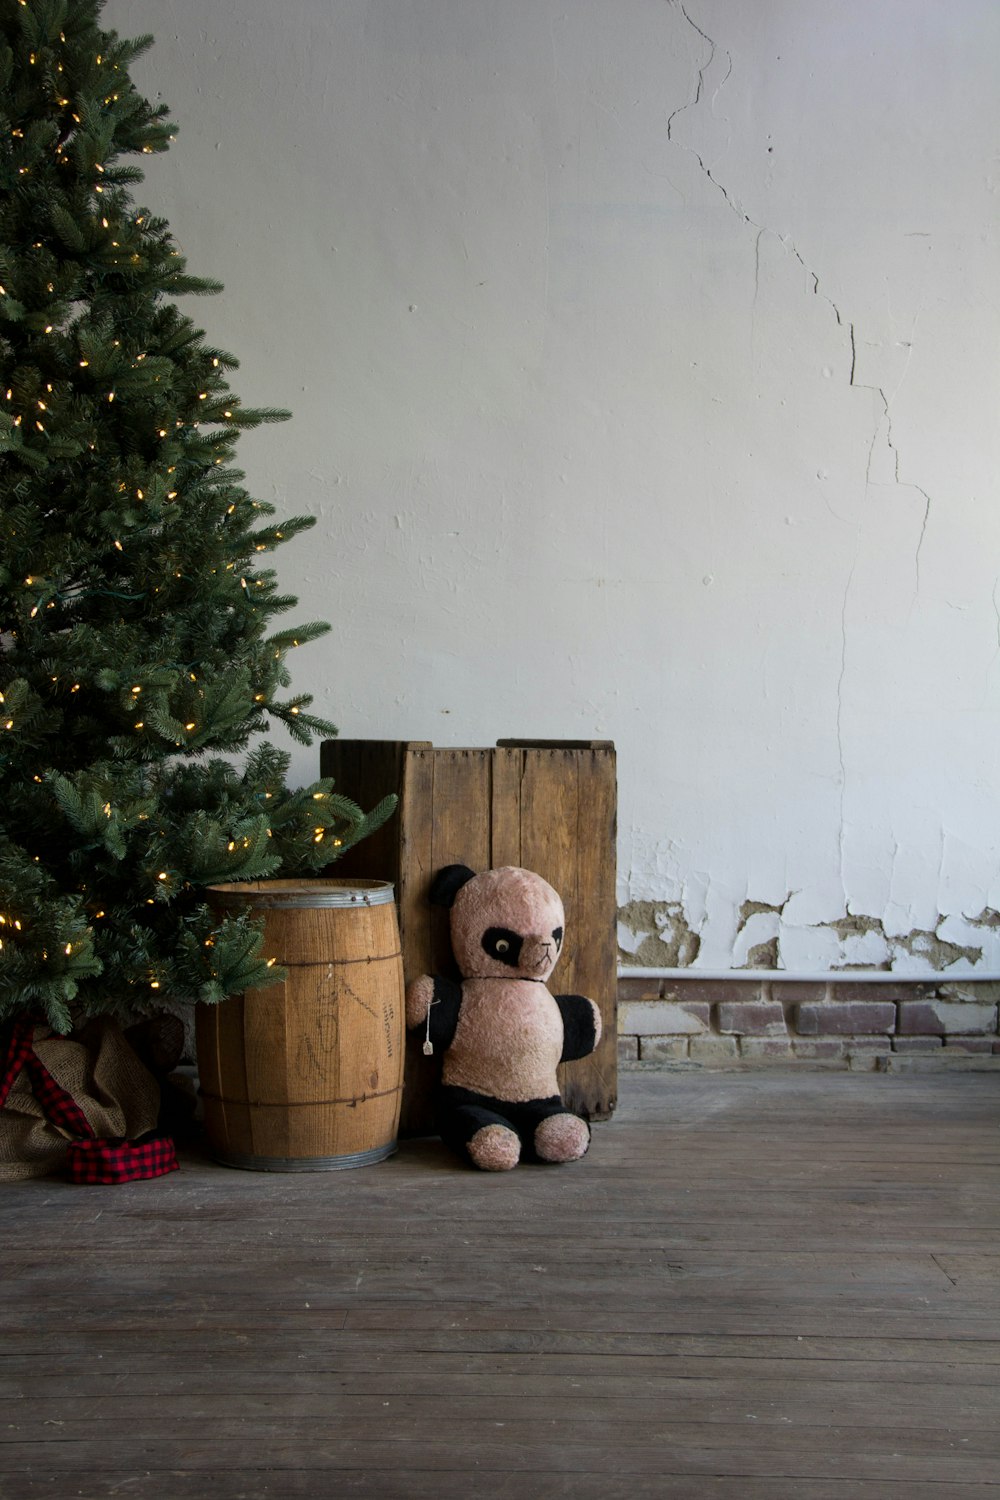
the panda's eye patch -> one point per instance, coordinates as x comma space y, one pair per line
557, 936
501, 943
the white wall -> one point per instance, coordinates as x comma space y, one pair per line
644, 363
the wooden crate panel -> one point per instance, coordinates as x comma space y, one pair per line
546, 806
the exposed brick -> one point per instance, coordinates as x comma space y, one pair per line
713, 1049
866, 1062
946, 1061
856, 1045
917, 1043
661, 1018
639, 989
798, 990
826, 1048
662, 1048
983, 990
946, 1018
712, 991
858, 989
969, 1043
846, 1018
752, 1018
765, 1048
628, 1049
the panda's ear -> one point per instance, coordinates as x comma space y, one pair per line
448, 882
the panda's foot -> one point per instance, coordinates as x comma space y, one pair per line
562, 1138
494, 1148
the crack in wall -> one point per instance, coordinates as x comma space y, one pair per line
883, 423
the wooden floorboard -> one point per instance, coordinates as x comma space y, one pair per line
755, 1287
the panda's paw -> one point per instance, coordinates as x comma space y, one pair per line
562, 1138
494, 1148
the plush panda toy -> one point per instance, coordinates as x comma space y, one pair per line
501, 1033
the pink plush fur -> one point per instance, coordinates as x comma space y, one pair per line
502, 1034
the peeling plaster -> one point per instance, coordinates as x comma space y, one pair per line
763, 955
757, 908
658, 934
655, 935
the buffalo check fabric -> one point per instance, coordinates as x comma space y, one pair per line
121, 1161
89, 1159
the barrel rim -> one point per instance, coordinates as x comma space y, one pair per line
303, 894
249, 1163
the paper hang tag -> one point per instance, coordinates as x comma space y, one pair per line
428, 1049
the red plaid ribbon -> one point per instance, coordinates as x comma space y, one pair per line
89, 1160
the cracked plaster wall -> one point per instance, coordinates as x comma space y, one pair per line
644, 365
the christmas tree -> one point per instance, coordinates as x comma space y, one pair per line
135, 653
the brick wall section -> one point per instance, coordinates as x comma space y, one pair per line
671, 1023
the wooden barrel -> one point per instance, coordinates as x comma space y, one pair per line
307, 1076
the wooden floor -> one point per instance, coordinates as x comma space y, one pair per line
754, 1287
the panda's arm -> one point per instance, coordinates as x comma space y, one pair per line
581, 1025
445, 1006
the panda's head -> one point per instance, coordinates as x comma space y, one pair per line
505, 924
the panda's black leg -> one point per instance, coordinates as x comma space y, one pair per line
481, 1136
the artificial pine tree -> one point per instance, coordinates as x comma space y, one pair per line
134, 612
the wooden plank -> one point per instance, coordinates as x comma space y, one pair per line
592, 1082
366, 771
505, 808
527, 1447
415, 862
30, 1377
490, 1484
672, 1403
568, 813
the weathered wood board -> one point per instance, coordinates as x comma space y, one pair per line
754, 1287
546, 806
